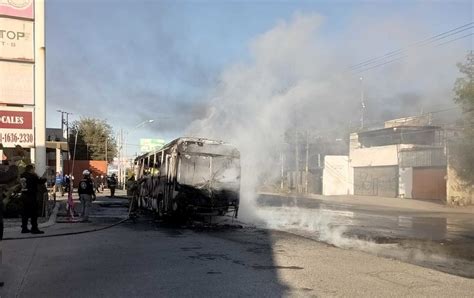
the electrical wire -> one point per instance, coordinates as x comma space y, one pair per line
402, 57
379, 60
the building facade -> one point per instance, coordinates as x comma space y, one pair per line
398, 160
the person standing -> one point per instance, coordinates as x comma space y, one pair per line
112, 184
67, 183
58, 184
29, 190
95, 183
86, 193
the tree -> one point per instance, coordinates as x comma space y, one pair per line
95, 140
463, 149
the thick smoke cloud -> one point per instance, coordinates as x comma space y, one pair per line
296, 79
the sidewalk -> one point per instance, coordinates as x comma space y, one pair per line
382, 202
58, 222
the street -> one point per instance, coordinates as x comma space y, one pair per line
273, 148
149, 258
431, 238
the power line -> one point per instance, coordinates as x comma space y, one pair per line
415, 44
452, 40
402, 57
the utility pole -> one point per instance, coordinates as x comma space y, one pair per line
307, 161
362, 103
106, 160
282, 160
120, 155
65, 124
297, 168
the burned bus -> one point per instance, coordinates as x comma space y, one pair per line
189, 176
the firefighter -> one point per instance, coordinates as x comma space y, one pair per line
86, 194
112, 184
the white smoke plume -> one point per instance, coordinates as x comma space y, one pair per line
256, 102
297, 78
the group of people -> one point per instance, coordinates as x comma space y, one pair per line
30, 183
18, 179
61, 183
87, 190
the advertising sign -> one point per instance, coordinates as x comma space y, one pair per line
16, 83
17, 8
16, 39
16, 127
147, 145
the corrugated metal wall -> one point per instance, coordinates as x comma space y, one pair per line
376, 181
422, 158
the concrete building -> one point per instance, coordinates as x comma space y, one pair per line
398, 160
56, 150
338, 176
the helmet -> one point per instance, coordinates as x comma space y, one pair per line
86, 173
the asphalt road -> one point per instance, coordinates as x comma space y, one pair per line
154, 259
439, 240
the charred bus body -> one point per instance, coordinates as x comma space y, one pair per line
189, 176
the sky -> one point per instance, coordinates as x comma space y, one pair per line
178, 62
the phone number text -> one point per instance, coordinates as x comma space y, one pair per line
19, 138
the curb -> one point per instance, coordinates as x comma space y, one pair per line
353, 201
51, 221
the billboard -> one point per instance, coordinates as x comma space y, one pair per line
147, 145
16, 40
16, 127
17, 8
16, 83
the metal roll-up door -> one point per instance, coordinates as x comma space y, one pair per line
429, 183
376, 181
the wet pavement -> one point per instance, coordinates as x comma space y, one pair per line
149, 258
440, 240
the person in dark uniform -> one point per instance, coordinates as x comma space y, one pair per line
29, 183
112, 184
86, 194
67, 183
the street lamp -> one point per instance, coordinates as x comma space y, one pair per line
123, 149
142, 124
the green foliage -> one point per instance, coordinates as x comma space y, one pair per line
463, 149
93, 137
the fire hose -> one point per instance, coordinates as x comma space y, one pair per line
73, 233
